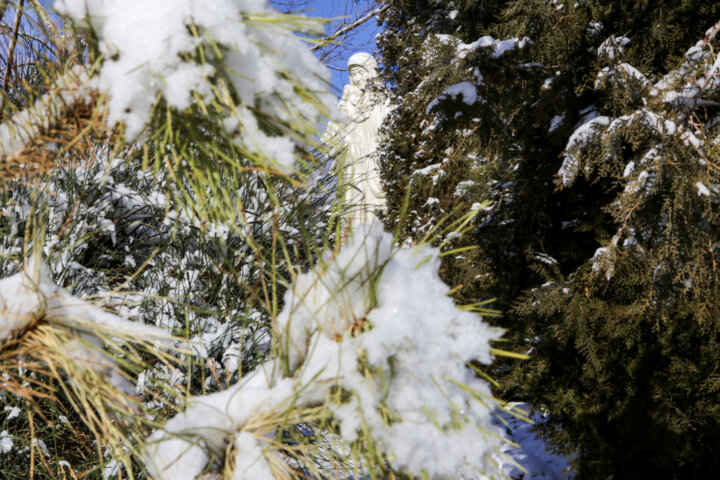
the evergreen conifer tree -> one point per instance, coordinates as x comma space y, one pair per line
609, 279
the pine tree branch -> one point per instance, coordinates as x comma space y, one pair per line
711, 35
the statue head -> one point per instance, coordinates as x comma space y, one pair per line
362, 68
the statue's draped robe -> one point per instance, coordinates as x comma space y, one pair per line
365, 111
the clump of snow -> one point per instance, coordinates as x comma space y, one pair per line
603, 260
579, 139
613, 47
366, 305
13, 412
694, 79
427, 170
702, 189
21, 302
463, 188
546, 259
629, 169
690, 139
31, 295
176, 453
184, 459
593, 28
627, 70
466, 90
149, 49
250, 460
555, 122
497, 47
6, 442
646, 117
670, 127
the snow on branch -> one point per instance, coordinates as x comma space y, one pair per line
185, 52
31, 296
497, 47
26, 125
375, 323
693, 83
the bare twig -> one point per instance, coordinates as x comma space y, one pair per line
11, 50
3, 7
345, 28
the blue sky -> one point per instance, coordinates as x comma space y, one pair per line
363, 37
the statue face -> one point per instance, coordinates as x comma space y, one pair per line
359, 76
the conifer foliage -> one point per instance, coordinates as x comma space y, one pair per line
179, 296
592, 126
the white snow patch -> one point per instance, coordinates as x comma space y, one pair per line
390, 306
427, 170
555, 122
546, 259
531, 457
13, 412
579, 139
31, 295
498, 47
613, 47
26, 125
463, 188
603, 261
594, 28
467, 90
702, 189
148, 49
629, 168
6, 442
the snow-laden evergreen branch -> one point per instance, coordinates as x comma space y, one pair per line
371, 336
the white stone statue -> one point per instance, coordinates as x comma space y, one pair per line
364, 107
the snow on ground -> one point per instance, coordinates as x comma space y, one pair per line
536, 461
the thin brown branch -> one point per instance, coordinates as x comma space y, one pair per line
346, 28
3, 7
11, 49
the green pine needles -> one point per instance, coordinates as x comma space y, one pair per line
181, 297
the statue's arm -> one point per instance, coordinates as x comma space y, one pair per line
333, 138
